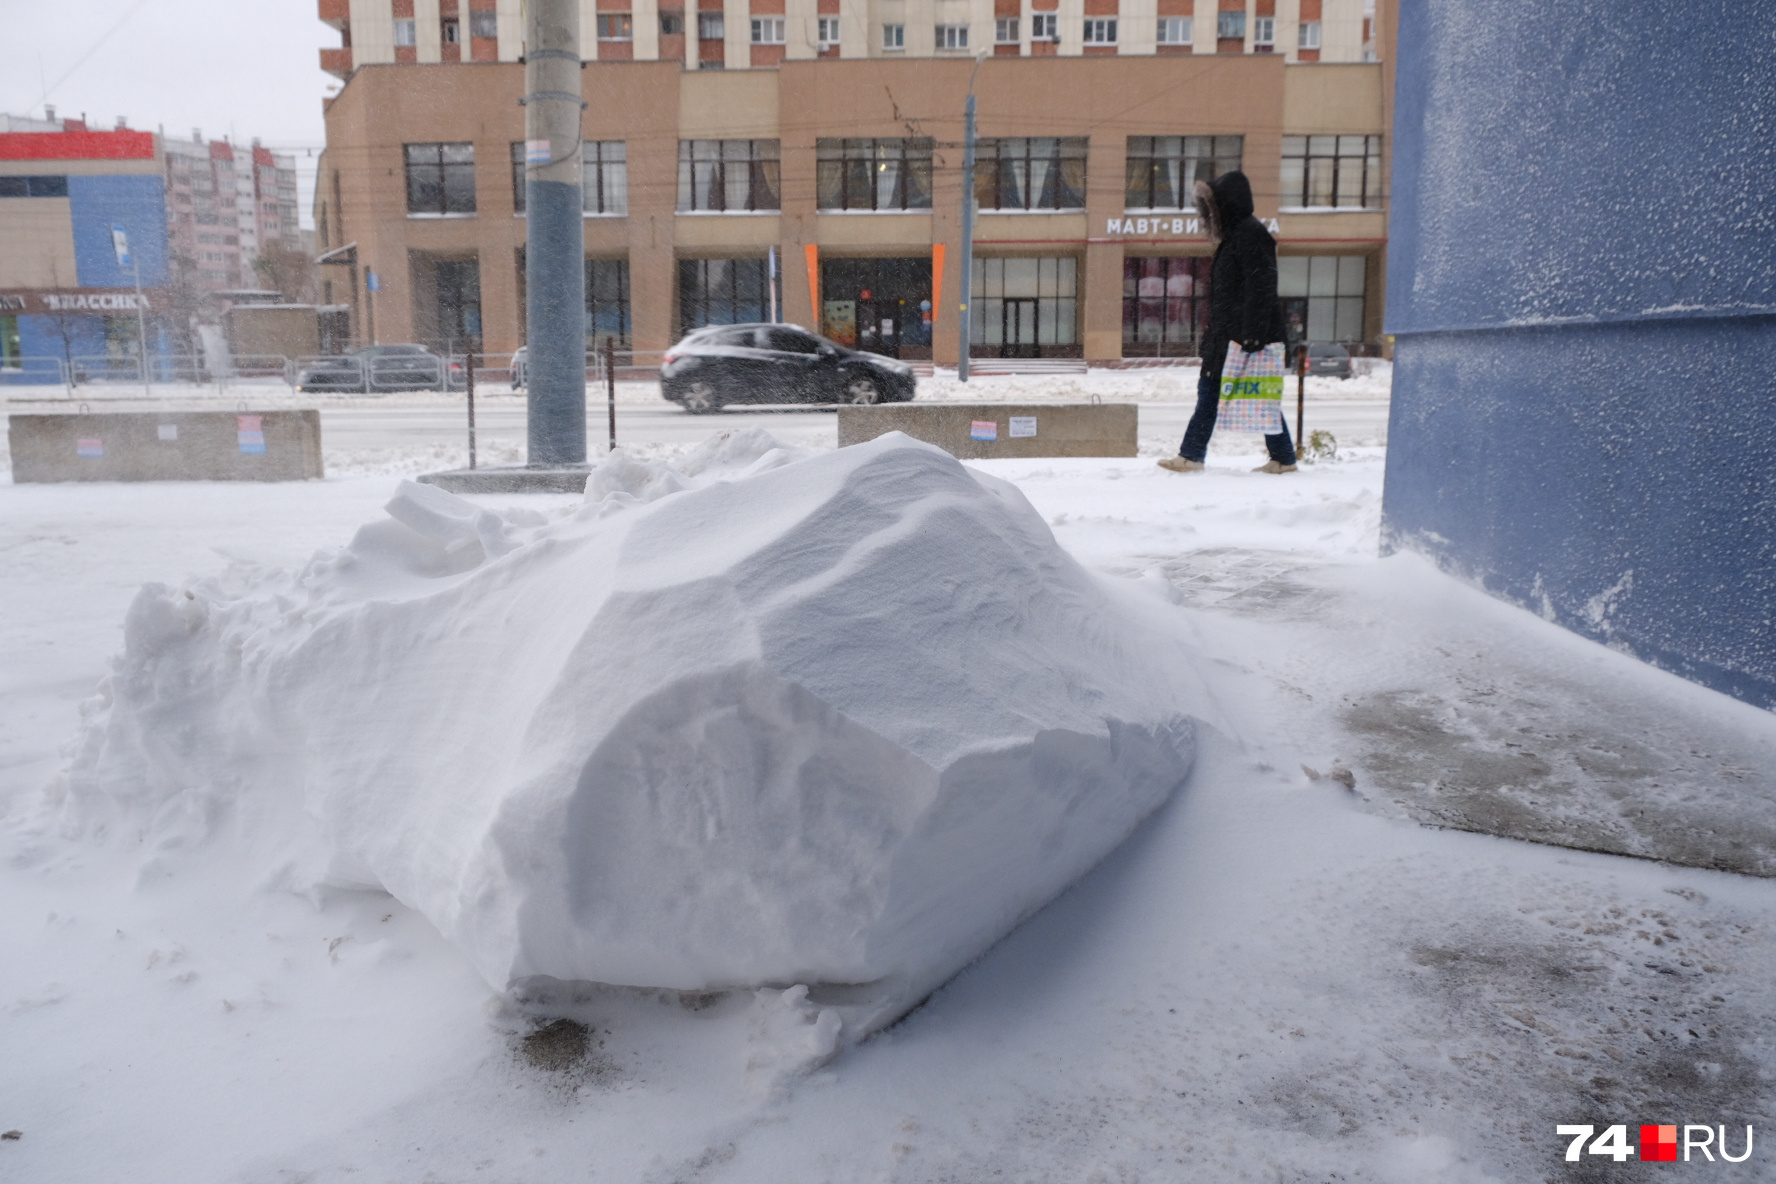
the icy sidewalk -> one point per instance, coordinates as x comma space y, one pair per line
1277, 978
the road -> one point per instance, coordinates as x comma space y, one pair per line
1352, 421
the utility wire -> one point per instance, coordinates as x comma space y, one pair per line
103, 37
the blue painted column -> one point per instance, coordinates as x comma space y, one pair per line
554, 255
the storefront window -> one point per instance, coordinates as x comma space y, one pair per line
9, 343
728, 175
1331, 172
1322, 296
1165, 306
1026, 308
1162, 171
879, 305
1034, 173
722, 292
605, 168
607, 303
874, 174
440, 178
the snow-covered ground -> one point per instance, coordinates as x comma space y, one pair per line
1282, 976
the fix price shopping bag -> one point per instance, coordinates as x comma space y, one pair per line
1252, 390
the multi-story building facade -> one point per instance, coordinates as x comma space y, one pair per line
64, 188
760, 34
198, 215
830, 181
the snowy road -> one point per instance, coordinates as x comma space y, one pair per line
1279, 978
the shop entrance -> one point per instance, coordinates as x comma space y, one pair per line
879, 305
1019, 314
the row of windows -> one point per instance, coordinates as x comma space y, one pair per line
771, 30
33, 187
1011, 173
481, 24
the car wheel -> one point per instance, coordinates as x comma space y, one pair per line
862, 392
700, 399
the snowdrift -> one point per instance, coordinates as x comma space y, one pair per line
839, 720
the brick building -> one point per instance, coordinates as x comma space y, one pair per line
826, 173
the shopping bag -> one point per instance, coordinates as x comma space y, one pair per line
1252, 390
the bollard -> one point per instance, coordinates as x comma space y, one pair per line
610, 386
469, 365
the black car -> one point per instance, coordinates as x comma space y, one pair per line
776, 364
382, 368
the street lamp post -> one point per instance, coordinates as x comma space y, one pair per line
963, 327
554, 238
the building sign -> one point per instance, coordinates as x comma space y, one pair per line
1175, 225
88, 300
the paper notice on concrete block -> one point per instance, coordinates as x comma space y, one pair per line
168, 431
983, 429
1022, 426
249, 429
89, 446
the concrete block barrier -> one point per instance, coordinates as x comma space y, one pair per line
984, 431
167, 446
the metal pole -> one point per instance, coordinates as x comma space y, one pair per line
554, 240
1300, 397
470, 378
772, 256
610, 386
963, 328
141, 322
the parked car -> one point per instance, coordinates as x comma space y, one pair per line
776, 364
1328, 358
518, 366
379, 368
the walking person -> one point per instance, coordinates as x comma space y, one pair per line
1243, 308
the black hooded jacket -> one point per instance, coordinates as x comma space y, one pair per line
1243, 276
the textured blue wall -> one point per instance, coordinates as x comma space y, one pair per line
1582, 288
138, 204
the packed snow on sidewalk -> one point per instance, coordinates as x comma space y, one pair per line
1278, 976
682, 738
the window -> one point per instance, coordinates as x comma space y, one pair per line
405, 34
1264, 33
1230, 26
873, 174
607, 303
1310, 35
1332, 172
709, 26
1322, 296
952, 37
615, 26
1045, 26
1162, 171
722, 292
604, 168
712, 64
767, 30
1026, 307
449, 31
1165, 306
1100, 32
672, 24
829, 31
33, 187
440, 178
893, 36
1037, 173
1005, 30
728, 175
484, 23
605, 176
1174, 30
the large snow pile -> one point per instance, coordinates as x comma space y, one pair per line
764, 718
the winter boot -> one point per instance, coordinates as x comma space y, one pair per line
1179, 464
1271, 466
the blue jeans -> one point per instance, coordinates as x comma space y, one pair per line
1202, 424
